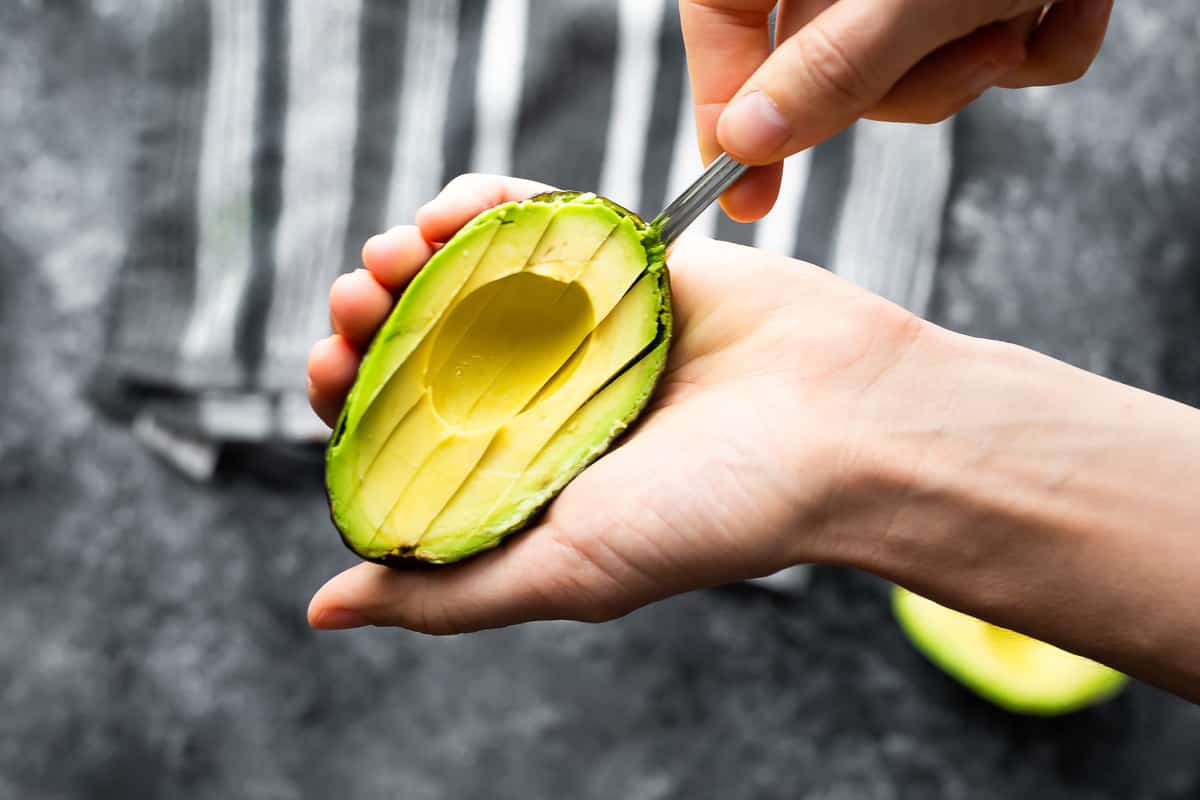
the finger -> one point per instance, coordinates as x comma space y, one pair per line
726, 41
1024, 25
792, 15
753, 196
1064, 45
395, 256
952, 66
578, 563
489, 591
601, 550
469, 195
358, 305
332, 365
839, 66
951, 77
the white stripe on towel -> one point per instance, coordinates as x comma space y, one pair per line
431, 42
892, 218
639, 25
223, 257
498, 84
318, 168
776, 232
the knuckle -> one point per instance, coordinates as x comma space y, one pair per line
955, 19
435, 619
582, 586
831, 69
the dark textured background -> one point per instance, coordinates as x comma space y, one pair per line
152, 641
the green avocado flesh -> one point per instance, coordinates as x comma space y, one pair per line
524, 347
1011, 670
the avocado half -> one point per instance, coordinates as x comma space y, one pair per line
514, 359
1016, 672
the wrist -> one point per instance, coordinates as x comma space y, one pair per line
1034, 495
960, 454
934, 449
892, 451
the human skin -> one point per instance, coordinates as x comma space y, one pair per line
804, 420
834, 62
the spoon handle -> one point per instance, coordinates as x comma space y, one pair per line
683, 210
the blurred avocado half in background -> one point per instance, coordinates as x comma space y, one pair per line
514, 359
1011, 670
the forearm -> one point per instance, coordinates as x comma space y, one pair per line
1039, 497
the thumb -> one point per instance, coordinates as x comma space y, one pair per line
839, 66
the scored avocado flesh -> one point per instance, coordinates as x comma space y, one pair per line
524, 347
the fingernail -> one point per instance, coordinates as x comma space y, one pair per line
985, 77
752, 127
336, 619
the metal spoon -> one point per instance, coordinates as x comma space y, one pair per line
683, 210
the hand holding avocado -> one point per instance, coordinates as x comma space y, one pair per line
801, 419
721, 475
895, 60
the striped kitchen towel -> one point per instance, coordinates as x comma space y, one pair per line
277, 135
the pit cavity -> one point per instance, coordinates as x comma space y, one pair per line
501, 344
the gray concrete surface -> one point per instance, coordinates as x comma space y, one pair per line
152, 642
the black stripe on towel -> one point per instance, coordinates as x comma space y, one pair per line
824, 197
459, 135
570, 61
266, 187
729, 230
669, 86
382, 35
